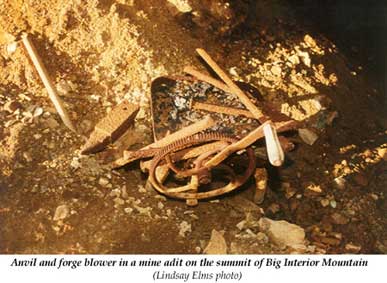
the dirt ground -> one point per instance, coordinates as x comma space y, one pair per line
55, 200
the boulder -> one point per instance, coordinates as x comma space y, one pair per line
282, 233
217, 244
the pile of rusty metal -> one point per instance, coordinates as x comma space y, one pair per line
203, 129
210, 155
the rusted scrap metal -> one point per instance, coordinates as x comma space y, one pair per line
190, 191
221, 109
206, 161
241, 144
166, 115
260, 177
199, 168
194, 128
203, 153
212, 81
274, 150
286, 144
185, 154
162, 172
205, 78
232, 86
267, 108
248, 140
48, 84
152, 149
111, 127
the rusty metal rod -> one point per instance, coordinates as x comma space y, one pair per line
274, 149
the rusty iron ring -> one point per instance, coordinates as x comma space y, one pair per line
180, 192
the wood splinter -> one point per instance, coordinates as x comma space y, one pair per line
48, 84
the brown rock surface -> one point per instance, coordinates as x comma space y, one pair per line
217, 244
281, 232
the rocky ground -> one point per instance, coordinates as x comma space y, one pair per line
329, 196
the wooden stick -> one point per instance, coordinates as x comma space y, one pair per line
274, 150
222, 109
44, 76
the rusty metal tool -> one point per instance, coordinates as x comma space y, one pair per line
274, 149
